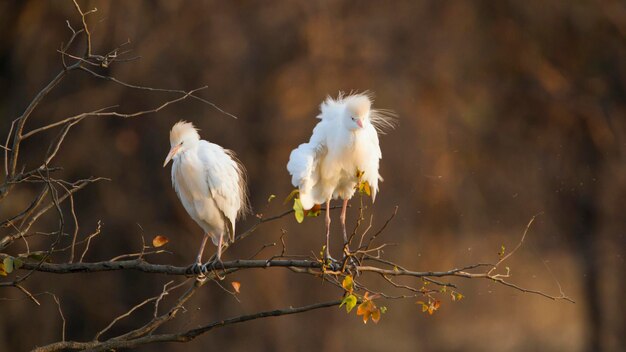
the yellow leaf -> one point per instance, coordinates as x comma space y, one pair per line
159, 241
298, 210
2, 272
271, 197
236, 285
8, 265
364, 187
291, 196
501, 253
348, 283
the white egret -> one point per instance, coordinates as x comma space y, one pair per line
342, 151
209, 181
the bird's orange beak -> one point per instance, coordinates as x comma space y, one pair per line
359, 122
171, 154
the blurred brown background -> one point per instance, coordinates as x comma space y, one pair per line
507, 109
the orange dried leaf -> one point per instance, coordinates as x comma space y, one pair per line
236, 285
314, 211
433, 306
159, 241
366, 309
376, 316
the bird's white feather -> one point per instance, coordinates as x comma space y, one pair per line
210, 184
327, 165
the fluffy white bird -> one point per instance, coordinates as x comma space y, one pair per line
209, 181
344, 143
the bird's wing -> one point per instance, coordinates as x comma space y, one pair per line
304, 163
226, 180
371, 162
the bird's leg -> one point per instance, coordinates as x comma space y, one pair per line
346, 245
219, 247
327, 249
197, 266
343, 221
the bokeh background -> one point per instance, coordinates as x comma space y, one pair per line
506, 109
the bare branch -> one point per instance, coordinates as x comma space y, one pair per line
179, 337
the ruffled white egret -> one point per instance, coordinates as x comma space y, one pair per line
342, 151
209, 181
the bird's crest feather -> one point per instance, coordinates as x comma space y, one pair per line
360, 102
180, 130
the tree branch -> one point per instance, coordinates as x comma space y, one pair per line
179, 337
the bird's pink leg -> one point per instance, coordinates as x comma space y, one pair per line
328, 229
343, 221
204, 239
219, 247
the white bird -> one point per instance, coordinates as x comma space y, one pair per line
210, 182
344, 143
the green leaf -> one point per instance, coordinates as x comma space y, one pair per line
8, 265
38, 256
383, 309
272, 196
17, 263
298, 210
350, 302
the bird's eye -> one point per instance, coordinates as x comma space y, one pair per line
183, 142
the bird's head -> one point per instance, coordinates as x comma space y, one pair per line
182, 137
357, 111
